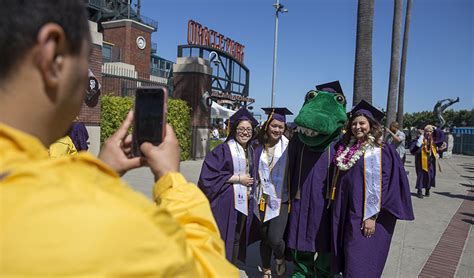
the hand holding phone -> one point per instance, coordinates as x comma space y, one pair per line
169, 149
150, 117
116, 150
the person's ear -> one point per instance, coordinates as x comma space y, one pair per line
51, 49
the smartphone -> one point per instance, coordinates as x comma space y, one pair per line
150, 117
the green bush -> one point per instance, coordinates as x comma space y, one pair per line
214, 143
115, 109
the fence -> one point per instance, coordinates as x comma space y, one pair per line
122, 81
463, 140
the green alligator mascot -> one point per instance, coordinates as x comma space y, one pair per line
310, 152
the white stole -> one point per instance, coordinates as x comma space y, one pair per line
240, 164
372, 181
272, 178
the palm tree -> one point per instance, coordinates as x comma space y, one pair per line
394, 62
401, 86
363, 57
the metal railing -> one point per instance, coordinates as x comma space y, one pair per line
154, 47
96, 3
148, 21
160, 72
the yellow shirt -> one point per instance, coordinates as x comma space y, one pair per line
74, 217
62, 147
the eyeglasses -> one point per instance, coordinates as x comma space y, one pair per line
242, 130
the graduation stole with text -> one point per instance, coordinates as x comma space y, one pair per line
372, 181
272, 178
425, 152
239, 161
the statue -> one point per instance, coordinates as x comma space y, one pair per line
440, 107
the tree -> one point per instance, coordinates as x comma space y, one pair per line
458, 118
394, 62
403, 64
363, 57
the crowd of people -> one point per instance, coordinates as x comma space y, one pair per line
326, 196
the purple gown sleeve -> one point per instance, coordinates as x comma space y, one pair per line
396, 196
216, 170
413, 148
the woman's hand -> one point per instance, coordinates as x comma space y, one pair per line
246, 180
368, 227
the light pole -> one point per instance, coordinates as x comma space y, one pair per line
279, 9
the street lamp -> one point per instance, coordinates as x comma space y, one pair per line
279, 8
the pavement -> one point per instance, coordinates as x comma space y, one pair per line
440, 239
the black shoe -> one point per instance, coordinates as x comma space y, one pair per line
419, 194
427, 193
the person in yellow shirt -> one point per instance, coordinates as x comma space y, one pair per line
62, 147
74, 216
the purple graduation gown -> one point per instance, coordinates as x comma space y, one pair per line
426, 179
308, 226
353, 254
79, 136
217, 168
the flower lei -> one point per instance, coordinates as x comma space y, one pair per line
426, 143
347, 156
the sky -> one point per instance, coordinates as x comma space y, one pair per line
316, 44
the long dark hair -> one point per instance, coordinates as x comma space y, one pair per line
249, 150
233, 131
376, 130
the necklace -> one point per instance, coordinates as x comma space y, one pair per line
427, 144
347, 156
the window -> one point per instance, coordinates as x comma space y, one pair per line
106, 53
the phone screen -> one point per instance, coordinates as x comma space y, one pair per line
149, 117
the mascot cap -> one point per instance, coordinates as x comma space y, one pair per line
332, 87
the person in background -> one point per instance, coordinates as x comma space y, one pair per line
62, 147
227, 181
215, 133
370, 192
79, 135
396, 137
74, 216
271, 194
425, 150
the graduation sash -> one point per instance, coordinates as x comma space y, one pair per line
240, 166
425, 153
372, 181
272, 179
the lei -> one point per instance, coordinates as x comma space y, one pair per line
427, 144
347, 156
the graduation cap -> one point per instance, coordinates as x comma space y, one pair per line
277, 113
332, 87
366, 109
242, 114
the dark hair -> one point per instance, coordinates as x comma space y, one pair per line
20, 21
395, 125
233, 131
375, 129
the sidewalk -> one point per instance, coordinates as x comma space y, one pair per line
413, 243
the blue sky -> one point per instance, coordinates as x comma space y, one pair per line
317, 45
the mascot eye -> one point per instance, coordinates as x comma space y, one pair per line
310, 95
341, 99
